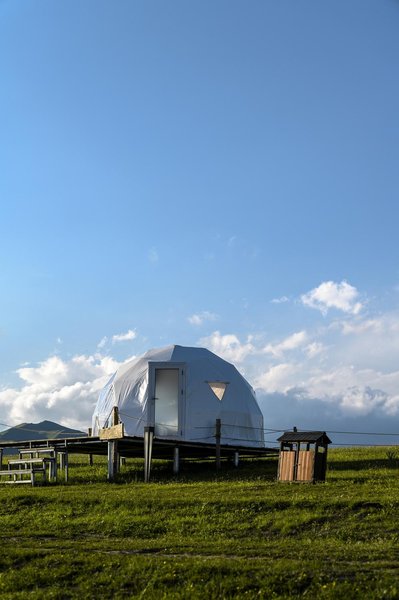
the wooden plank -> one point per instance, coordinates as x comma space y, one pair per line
10, 472
31, 461
286, 465
37, 451
18, 481
116, 432
305, 465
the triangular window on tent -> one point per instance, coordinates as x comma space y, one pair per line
218, 388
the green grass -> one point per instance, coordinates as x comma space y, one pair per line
236, 534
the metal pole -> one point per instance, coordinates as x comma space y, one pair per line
110, 452
66, 464
66, 461
115, 455
218, 436
176, 460
89, 434
148, 439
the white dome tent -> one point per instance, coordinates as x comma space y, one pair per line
181, 391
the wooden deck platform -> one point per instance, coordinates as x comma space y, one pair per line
132, 447
135, 447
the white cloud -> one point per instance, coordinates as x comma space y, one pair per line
153, 255
341, 296
231, 241
357, 377
280, 378
359, 327
290, 343
59, 390
228, 346
124, 337
200, 318
373, 342
349, 390
102, 342
281, 300
314, 349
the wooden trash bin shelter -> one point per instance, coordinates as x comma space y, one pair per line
303, 456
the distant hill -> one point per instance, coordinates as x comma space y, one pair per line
45, 430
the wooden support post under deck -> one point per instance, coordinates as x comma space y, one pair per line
66, 467
63, 461
236, 459
176, 460
218, 436
112, 434
90, 433
55, 464
115, 456
148, 438
110, 457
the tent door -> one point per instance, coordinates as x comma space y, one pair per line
166, 402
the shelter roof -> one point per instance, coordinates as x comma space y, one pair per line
305, 436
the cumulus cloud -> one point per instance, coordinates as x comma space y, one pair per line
228, 346
124, 337
349, 390
372, 342
290, 343
341, 296
283, 411
340, 372
356, 374
333, 380
59, 390
200, 318
279, 378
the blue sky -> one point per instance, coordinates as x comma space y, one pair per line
215, 173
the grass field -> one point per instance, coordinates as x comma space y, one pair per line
238, 534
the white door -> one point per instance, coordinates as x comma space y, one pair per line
166, 402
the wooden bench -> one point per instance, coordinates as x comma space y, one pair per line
40, 451
16, 475
37, 464
50, 454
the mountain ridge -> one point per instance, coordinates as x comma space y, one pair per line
45, 430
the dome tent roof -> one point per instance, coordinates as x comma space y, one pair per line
182, 391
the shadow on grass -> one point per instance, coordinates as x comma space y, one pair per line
363, 465
195, 471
